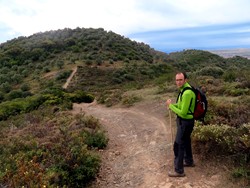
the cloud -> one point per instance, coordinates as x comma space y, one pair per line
202, 37
29, 16
26, 17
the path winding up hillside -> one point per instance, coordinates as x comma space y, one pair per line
70, 77
139, 153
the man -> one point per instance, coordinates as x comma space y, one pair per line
184, 109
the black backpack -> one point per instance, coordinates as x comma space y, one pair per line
201, 103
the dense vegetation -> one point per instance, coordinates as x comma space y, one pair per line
34, 127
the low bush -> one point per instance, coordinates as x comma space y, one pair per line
214, 71
234, 113
80, 96
49, 97
14, 107
227, 143
110, 97
130, 100
223, 139
54, 152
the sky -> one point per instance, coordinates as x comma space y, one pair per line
165, 25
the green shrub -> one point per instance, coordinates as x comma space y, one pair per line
218, 139
56, 152
48, 97
130, 100
1, 96
52, 99
225, 142
216, 72
14, 94
235, 89
231, 113
17, 106
224, 136
25, 87
241, 172
80, 96
229, 76
237, 92
87, 122
96, 139
110, 98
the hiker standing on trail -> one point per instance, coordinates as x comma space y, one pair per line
185, 123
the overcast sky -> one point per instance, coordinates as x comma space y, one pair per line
166, 25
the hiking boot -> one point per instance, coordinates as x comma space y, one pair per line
189, 165
176, 174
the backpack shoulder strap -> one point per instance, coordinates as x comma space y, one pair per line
181, 93
184, 89
187, 88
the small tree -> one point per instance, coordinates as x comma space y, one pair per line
60, 64
25, 87
5, 87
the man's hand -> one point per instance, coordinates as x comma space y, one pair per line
169, 101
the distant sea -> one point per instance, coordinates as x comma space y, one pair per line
243, 52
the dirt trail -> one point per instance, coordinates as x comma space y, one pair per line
139, 153
70, 77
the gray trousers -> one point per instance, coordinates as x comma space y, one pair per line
182, 145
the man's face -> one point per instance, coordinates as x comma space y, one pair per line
179, 79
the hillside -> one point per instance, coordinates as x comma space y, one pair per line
26, 59
53, 54
51, 81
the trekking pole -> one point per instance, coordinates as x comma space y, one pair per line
171, 129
